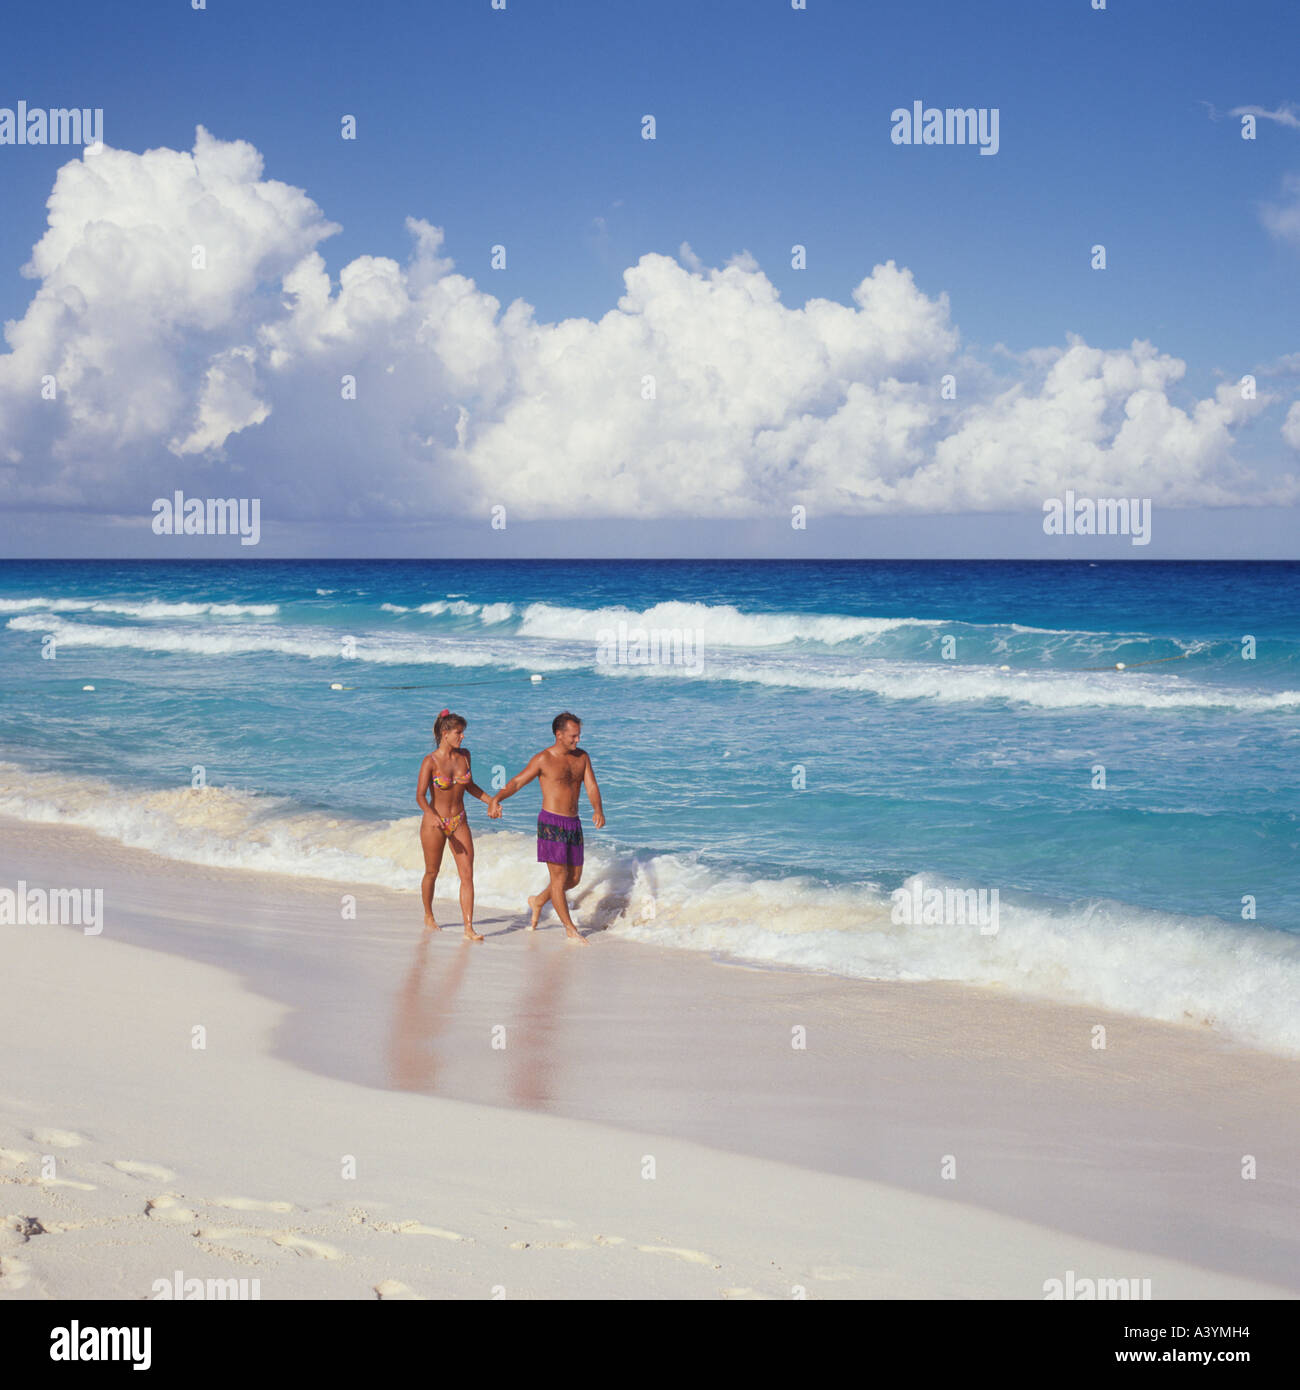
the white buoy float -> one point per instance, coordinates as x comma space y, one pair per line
536, 679
336, 685
1119, 666
88, 687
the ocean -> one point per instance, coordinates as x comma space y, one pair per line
795, 757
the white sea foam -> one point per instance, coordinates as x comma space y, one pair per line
379, 649
948, 683
1239, 980
721, 625
489, 613
724, 625
152, 608
945, 683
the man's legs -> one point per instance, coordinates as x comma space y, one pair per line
539, 900
559, 882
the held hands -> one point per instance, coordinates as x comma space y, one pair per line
494, 812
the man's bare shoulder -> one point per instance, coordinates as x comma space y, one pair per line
562, 761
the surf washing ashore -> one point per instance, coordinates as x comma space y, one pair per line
345, 1106
851, 730
1010, 844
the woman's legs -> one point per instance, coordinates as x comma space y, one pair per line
462, 846
433, 842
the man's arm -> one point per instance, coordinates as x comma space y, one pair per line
521, 779
593, 795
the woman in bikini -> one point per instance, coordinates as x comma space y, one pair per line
444, 780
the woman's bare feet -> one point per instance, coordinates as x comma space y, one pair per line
575, 935
430, 923
471, 934
537, 902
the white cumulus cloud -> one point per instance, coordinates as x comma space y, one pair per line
187, 318
1291, 426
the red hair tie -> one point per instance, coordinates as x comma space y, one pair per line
442, 712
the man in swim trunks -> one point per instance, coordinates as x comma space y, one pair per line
564, 769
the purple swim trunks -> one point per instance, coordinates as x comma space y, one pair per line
559, 839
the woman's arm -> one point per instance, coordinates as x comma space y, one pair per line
472, 786
422, 786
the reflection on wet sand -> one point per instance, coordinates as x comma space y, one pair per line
412, 1058
421, 1015
531, 1044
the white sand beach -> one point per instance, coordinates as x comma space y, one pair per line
380, 1112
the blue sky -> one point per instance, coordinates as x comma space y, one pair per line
521, 127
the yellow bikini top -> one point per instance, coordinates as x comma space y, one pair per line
442, 783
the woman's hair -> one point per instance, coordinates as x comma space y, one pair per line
446, 720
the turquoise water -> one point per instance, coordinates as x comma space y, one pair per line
822, 733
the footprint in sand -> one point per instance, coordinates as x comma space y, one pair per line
56, 1138
549, 1245
249, 1204
313, 1249
231, 1232
249, 1258
168, 1208
154, 1171
418, 1228
694, 1257
15, 1158
13, 1274
18, 1230
394, 1288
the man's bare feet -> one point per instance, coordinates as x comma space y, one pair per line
430, 923
537, 902
472, 935
575, 935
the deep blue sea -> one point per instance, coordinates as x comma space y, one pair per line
811, 737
